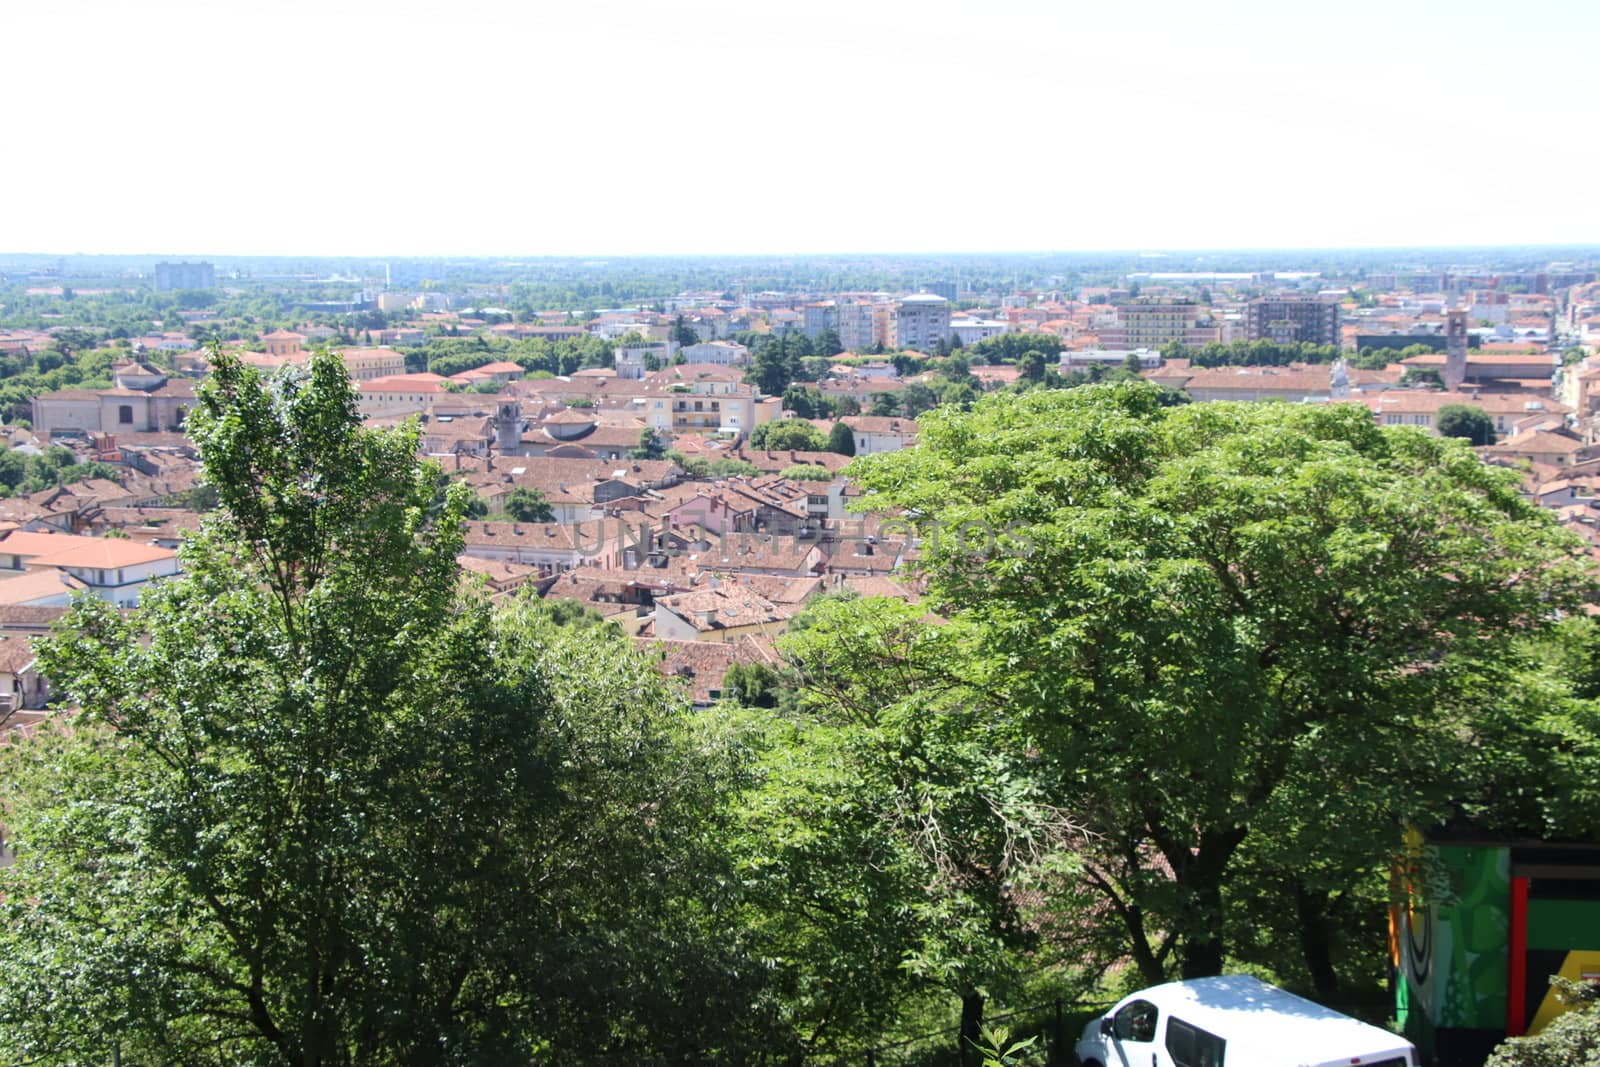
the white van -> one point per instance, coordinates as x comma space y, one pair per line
1234, 1021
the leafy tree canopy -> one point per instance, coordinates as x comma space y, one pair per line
323, 807
1208, 621
807, 472
782, 435
1469, 423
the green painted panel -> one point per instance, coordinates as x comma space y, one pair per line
1471, 936
1564, 924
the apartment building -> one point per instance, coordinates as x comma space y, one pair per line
921, 321
864, 324
1153, 325
1287, 320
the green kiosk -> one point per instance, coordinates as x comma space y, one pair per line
1477, 928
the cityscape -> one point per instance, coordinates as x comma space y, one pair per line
799, 536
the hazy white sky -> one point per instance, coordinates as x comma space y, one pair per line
720, 126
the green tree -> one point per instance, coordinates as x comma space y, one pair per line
683, 334
917, 398
959, 826
1570, 1040
651, 446
841, 440
1207, 619
806, 403
1421, 377
783, 435
309, 811
1469, 423
827, 343
528, 505
807, 472
774, 364
755, 685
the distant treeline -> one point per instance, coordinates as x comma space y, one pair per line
453, 355
1272, 354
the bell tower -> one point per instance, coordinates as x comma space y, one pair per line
1455, 348
508, 428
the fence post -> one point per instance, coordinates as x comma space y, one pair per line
1058, 1040
872, 1058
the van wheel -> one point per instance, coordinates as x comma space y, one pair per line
1092, 1063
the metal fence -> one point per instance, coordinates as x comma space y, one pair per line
1055, 1024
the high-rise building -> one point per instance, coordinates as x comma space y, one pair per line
922, 321
1153, 325
818, 317
1286, 320
170, 276
863, 324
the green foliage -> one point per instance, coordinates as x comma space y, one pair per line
917, 398
841, 440
683, 333
1208, 620
948, 825
1012, 347
22, 473
1469, 423
1252, 353
775, 361
807, 403
700, 467
528, 505
998, 1050
807, 472
782, 435
1418, 377
1572, 1039
827, 343
310, 811
755, 685
1031, 366
452, 355
651, 446
575, 614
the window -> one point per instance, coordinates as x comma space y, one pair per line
1137, 1022
125, 414
1190, 1046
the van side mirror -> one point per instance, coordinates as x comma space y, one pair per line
1106, 1025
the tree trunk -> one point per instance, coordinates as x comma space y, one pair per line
1202, 958
971, 1028
1316, 940
1200, 874
1203, 952
1144, 957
